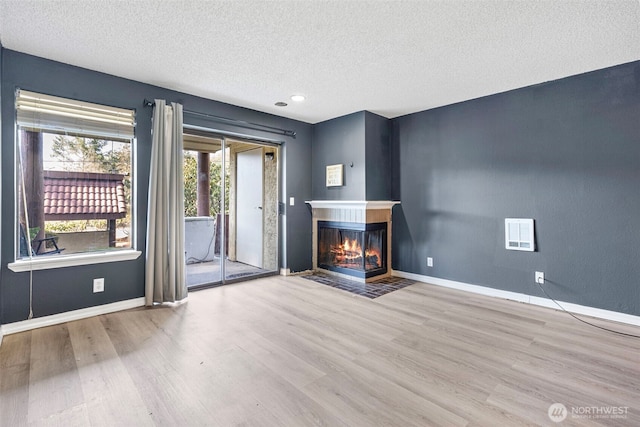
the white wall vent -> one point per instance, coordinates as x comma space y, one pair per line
519, 234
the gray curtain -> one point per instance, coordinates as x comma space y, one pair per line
165, 263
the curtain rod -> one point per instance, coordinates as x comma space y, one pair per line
241, 123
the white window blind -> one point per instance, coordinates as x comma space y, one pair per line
36, 111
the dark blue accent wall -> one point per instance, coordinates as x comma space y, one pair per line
340, 141
70, 288
361, 142
565, 153
379, 163
1, 180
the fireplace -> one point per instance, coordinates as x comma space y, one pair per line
352, 238
356, 249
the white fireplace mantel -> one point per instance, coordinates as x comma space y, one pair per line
352, 204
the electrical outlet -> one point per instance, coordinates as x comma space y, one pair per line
429, 262
539, 278
98, 285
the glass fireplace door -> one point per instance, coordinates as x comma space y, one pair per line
355, 249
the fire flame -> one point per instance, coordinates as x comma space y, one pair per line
350, 245
350, 252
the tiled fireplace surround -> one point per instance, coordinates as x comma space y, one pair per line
360, 212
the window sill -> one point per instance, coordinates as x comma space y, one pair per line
72, 260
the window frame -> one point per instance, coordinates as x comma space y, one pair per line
31, 263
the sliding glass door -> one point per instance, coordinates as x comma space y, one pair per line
231, 208
203, 193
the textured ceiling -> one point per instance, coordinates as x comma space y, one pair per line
388, 57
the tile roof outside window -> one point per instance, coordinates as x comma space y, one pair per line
83, 195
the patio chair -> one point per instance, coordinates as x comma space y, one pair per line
24, 245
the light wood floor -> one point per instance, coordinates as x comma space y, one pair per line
291, 352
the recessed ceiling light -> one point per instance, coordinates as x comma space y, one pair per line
281, 104
297, 98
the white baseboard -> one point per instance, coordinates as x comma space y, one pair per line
55, 319
529, 299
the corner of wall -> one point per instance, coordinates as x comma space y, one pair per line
378, 159
394, 153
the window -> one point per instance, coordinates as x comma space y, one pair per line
74, 177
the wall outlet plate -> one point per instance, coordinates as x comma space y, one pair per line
539, 277
98, 285
429, 262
